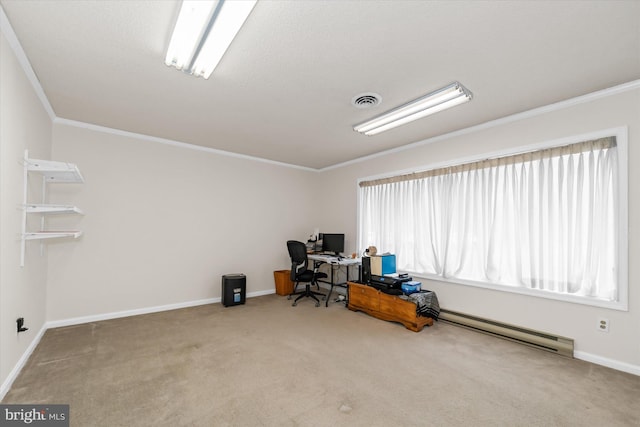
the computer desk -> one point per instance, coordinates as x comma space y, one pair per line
336, 263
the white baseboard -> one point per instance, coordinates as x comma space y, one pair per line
145, 310
6, 385
260, 293
609, 363
127, 313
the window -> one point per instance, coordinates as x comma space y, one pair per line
546, 222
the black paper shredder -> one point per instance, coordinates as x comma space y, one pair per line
234, 289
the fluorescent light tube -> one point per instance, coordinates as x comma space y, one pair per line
441, 99
204, 30
231, 16
192, 22
418, 115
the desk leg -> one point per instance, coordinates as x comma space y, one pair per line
316, 269
326, 304
332, 280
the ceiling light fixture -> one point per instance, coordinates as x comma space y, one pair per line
441, 99
203, 32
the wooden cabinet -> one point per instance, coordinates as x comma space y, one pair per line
386, 307
363, 296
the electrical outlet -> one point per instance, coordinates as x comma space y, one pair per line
603, 325
20, 324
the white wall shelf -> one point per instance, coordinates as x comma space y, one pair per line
53, 209
39, 235
54, 171
51, 172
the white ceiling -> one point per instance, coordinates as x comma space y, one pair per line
283, 90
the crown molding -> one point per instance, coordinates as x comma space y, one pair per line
174, 143
16, 47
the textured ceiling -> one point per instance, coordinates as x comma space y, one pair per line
283, 90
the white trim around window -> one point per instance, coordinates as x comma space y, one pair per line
621, 138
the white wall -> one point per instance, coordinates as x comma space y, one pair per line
618, 347
164, 223
24, 124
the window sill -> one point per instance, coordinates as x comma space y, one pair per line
621, 305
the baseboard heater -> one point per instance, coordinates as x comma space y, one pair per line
530, 337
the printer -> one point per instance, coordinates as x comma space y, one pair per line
393, 281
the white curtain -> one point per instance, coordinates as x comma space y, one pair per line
544, 220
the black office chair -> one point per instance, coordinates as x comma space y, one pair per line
300, 273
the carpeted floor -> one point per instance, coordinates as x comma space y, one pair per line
266, 363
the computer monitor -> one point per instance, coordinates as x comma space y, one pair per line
333, 243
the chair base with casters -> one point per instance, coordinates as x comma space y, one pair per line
307, 293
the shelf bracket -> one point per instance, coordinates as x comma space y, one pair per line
23, 243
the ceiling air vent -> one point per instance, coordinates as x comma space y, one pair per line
366, 100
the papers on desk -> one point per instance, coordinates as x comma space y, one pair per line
332, 259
